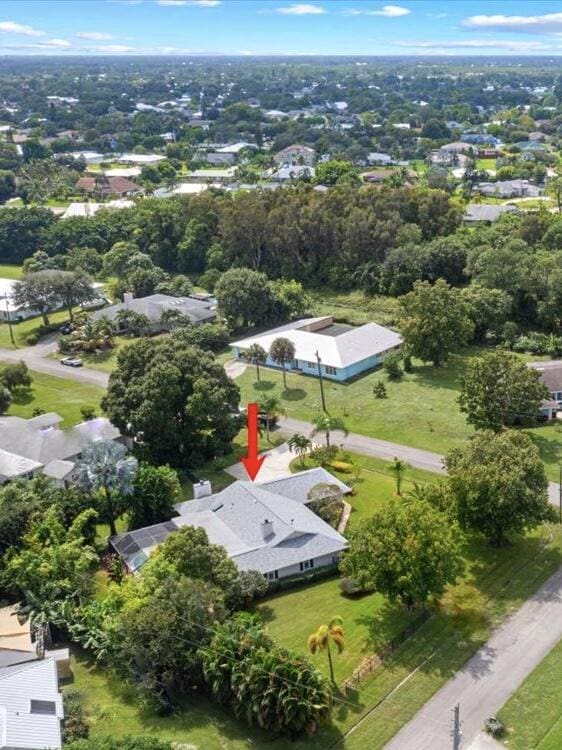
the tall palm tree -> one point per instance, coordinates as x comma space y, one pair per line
327, 424
398, 468
324, 636
106, 469
257, 355
282, 351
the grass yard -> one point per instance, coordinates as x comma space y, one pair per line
26, 327
485, 164
10, 271
495, 582
56, 394
420, 409
533, 715
355, 307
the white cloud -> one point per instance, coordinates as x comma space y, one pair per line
546, 24
200, 3
94, 36
512, 45
387, 11
55, 43
301, 9
113, 49
10, 27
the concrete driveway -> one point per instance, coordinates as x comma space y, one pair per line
276, 465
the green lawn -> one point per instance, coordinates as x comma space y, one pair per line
355, 307
495, 582
56, 394
420, 409
9, 271
25, 327
533, 715
485, 164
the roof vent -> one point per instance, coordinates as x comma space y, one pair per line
202, 489
266, 528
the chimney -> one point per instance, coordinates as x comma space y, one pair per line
202, 489
128, 297
266, 528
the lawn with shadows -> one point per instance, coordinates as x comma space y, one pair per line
55, 394
420, 409
533, 714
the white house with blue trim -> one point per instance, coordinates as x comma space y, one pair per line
344, 351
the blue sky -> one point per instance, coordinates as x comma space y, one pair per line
260, 27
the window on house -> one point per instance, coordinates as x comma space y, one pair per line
273, 575
311, 365
307, 565
48, 708
330, 370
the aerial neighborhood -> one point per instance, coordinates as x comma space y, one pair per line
280, 376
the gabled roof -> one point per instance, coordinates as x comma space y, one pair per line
30, 706
337, 346
155, 304
235, 517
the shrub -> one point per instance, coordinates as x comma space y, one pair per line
88, 413
407, 362
328, 510
76, 725
249, 586
494, 726
31, 339
323, 455
342, 466
379, 389
392, 366
350, 587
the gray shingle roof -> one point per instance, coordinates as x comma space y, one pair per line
235, 518
155, 304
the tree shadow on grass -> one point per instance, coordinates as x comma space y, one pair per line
22, 396
550, 450
264, 385
294, 394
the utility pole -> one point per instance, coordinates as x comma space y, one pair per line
319, 362
8, 318
456, 733
560, 490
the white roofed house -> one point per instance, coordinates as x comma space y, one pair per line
344, 351
265, 526
39, 446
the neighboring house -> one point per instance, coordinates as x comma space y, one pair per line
551, 376
508, 189
235, 148
31, 707
39, 446
344, 351
8, 308
457, 147
262, 526
212, 175
153, 306
218, 157
90, 157
537, 135
480, 139
376, 158
486, 213
295, 155
140, 159
109, 186
85, 210
293, 172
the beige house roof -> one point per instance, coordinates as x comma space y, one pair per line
13, 634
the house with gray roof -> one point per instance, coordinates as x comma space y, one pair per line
39, 446
344, 351
265, 526
196, 309
508, 189
483, 212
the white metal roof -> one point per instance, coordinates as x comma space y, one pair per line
343, 350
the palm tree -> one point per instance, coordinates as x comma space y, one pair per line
300, 444
257, 355
320, 641
106, 468
271, 406
327, 424
282, 351
398, 468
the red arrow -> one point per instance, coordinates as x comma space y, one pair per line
252, 461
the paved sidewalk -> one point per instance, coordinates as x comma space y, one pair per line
487, 680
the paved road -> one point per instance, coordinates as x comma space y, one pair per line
38, 358
488, 679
